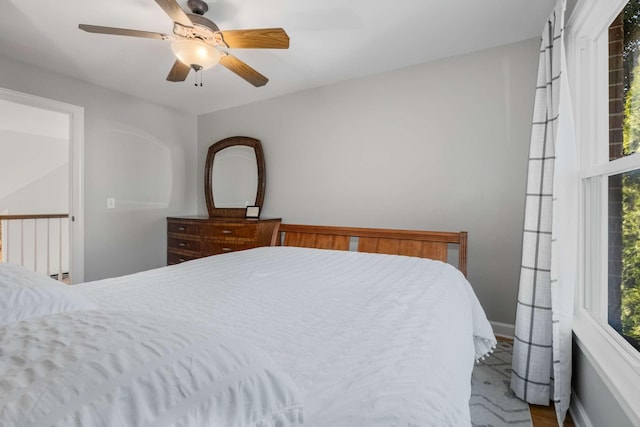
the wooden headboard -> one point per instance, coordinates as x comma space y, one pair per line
423, 244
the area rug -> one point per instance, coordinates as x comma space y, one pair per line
492, 403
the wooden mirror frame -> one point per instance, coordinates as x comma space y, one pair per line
208, 172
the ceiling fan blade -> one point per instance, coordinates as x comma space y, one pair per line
243, 70
263, 38
175, 12
179, 72
122, 32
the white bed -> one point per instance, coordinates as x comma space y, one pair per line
369, 339
267, 337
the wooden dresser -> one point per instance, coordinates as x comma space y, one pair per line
192, 237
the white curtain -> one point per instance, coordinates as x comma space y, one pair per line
541, 367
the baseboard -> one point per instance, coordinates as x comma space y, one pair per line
504, 330
578, 414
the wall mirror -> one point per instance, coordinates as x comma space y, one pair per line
234, 176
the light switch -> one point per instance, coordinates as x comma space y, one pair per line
111, 203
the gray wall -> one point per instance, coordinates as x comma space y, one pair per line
439, 146
141, 153
598, 402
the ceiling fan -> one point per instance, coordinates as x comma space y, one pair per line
196, 40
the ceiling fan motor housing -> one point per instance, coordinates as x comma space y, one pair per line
198, 7
201, 21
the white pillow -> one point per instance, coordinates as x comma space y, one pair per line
25, 294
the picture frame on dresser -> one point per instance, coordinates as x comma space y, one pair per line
252, 212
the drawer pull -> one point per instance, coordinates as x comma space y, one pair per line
226, 249
182, 228
227, 231
182, 244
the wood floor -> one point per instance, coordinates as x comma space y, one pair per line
545, 416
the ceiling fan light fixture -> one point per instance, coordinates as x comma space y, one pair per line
195, 53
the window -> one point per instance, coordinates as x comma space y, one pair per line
604, 70
611, 178
624, 188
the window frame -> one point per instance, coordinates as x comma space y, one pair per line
615, 360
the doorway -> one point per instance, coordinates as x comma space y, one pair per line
41, 203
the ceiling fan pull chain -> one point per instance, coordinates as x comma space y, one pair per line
198, 73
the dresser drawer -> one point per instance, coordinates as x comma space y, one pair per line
195, 237
183, 228
184, 243
175, 258
216, 248
231, 231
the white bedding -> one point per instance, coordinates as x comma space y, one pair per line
105, 368
371, 340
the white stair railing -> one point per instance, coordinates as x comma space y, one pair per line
37, 242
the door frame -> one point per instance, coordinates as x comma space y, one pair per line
76, 171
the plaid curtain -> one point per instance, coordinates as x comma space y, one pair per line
542, 344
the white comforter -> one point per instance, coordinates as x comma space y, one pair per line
371, 340
104, 368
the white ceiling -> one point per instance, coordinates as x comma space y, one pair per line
331, 41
